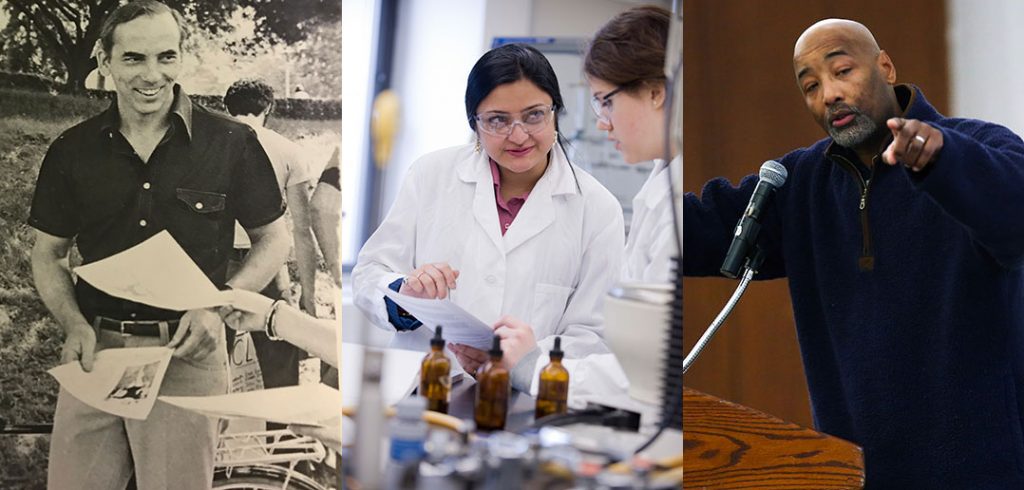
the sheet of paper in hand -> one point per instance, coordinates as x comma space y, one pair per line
124, 382
156, 272
312, 404
460, 326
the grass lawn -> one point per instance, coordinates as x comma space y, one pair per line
29, 339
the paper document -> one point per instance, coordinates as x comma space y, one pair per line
312, 404
460, 327
124, 382
156, 272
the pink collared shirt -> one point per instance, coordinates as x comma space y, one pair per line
507, 211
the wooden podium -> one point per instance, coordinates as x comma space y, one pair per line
726, 445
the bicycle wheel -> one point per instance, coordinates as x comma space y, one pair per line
263, 477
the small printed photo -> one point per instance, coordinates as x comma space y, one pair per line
135, 384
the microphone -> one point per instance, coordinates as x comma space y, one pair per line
772, 176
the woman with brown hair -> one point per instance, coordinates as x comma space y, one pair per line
625, 68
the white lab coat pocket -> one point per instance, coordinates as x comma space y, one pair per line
549, 303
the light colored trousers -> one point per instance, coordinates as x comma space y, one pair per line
172, 449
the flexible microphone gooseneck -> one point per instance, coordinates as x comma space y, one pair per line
748, 274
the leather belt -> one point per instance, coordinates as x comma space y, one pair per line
142, 328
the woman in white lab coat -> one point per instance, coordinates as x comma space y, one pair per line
507, 228
624, 65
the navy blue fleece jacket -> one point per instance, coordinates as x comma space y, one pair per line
907, 293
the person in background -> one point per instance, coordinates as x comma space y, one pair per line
507, 228
254, 312
326, 204
251, 102
326, 208
153, 161
300, 93
625, 67
900, 234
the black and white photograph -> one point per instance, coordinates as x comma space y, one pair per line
218, 124
136, 383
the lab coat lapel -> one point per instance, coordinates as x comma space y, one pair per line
656, 189
651, 194
537, 214
485, 209
539, 211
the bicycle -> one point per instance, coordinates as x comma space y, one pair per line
259, 460
254, 460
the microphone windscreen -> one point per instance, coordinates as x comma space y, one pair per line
773, 173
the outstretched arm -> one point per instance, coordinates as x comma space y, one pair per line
975, 172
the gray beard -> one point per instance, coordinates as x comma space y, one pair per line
855, 133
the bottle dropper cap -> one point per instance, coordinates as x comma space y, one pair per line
557, 350
437, 341
496, 348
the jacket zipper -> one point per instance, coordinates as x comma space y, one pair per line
866, 262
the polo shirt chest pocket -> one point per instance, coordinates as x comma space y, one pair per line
200, 216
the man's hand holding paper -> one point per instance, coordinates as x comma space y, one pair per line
197, 335
123, 382
79, 345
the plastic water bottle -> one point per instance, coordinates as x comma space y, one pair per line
408, 434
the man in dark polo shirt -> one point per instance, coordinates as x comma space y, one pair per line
153, 161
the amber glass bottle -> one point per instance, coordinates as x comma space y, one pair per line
553, 386
492, 391
435, 375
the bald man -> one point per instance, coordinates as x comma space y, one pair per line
902, 236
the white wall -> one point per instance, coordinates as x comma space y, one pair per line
986, 60
438, 42
357, 53
506, 18
578, 18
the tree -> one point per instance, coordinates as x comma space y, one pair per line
318, 60
314, 63
64, 30
67, 30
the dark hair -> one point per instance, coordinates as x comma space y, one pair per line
133, 10
249, 96
507, 64
630, 48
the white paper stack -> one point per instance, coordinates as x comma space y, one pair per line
460, 326
156, 272
312, 404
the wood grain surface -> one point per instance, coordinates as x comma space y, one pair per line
729, 446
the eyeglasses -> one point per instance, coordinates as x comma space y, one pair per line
602, 106
502, 123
